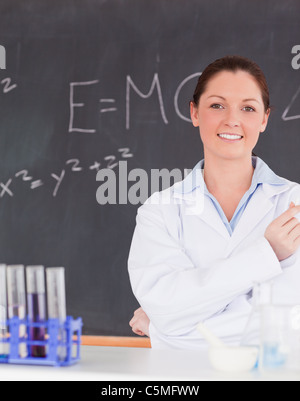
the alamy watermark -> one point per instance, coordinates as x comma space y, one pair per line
136, 186
296, 59
2, 58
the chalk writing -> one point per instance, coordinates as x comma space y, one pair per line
193, 76
75, 166
108, 109
285, 116
73, 105
7, 86
59, 180
155, 83
108, 105
5, 188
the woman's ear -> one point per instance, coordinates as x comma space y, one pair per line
194, 114
265, 121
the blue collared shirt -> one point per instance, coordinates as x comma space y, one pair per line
262, 175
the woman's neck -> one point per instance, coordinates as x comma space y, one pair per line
223, 175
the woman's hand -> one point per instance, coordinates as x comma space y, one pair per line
140, 323
283, 233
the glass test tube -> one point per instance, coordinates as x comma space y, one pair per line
3, 314
36, 307
56, 299
16, 297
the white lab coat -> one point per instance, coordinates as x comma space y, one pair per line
185, 268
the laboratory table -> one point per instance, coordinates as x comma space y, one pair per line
137, 364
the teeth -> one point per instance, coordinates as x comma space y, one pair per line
230, 136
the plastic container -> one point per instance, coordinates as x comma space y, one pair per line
53, 342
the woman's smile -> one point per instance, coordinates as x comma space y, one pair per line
230, 137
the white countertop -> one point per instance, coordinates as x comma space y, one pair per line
136, 364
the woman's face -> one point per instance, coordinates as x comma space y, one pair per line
230, 115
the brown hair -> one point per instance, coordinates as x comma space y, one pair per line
233, 64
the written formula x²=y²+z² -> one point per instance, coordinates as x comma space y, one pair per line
111, 161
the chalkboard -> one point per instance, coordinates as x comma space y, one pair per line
89, 84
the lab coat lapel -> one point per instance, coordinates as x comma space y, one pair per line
211, 217
190, 192
197, 205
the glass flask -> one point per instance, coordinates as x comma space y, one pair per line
261, 296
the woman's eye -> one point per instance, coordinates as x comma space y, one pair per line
249, 108
216, 106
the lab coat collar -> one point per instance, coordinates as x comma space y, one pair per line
262, 175
191, 182
194, 192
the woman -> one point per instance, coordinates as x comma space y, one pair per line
186, 267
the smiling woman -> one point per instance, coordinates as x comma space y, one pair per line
234, 115
187, 268
230, 122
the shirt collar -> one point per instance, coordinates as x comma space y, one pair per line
262, 175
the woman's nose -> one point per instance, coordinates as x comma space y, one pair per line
232, 119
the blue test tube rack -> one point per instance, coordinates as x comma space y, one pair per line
70, 342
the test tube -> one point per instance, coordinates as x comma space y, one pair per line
16, 297
36, 307
3, 314
56, 299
